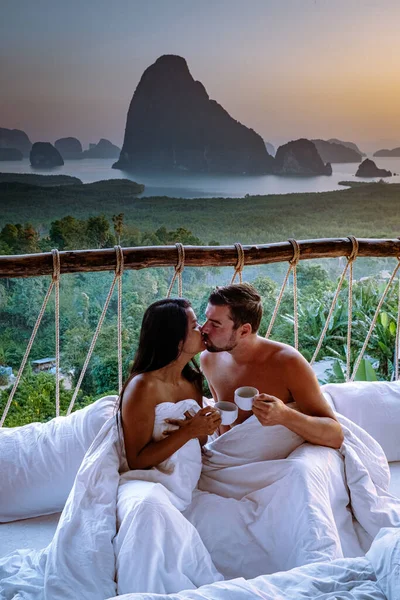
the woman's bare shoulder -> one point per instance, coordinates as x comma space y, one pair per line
141, 387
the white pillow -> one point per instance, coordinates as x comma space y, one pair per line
374, 406
39, 461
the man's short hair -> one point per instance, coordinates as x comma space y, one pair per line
244, 303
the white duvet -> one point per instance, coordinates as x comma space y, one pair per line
265, 502
375, 577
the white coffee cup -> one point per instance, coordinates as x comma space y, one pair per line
244, 397
228, 412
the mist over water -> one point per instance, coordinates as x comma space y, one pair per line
187, 185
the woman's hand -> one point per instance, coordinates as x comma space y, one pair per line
178, 422
205, 422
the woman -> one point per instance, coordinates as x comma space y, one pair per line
167, 551
169, 339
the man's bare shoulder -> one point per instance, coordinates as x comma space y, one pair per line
275, 351
209, 359
292, 364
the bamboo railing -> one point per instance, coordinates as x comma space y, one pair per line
78, 261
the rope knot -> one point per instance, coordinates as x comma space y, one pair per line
296, 252
181, 258
180, 265
56, 265
354, 252
119, 269
239, 264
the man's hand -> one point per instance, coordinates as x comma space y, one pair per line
269, 410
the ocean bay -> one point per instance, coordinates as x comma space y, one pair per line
183, 184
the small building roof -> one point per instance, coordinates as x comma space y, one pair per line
42, 361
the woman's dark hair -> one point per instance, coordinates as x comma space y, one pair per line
164, 327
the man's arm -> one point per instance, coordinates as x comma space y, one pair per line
315, 420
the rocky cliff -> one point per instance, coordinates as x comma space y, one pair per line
395, 152
369, 169
351, 145
300, 157
15, 138
70, 148
336, 153
44, 155
104, 149
172, 124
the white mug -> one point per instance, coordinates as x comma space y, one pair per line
228, 412
244, 397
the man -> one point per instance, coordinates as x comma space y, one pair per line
237, 356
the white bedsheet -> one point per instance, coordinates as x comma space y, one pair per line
375, 577
155, 548
127, 534
271, 515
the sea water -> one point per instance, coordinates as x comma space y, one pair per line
187, 185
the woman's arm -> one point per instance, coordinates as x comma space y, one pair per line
138, 414
199, 399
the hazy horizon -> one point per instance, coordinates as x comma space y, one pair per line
290, 69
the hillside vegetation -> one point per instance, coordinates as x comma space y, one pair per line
371, 210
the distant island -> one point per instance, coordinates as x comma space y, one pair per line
16, 145
16, 139
44, 155
336, 152
17, 181
369, 169
351, 145
395, 152
70, 148
300, 157
41, 180
104, 149
173, 125
357, 184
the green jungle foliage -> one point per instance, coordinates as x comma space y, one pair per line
367, 211
370, 210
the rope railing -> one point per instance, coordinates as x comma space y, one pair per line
180, 265
292, 267
349, 265
117, 275
143, 257
375, 318
239, 265
54, 282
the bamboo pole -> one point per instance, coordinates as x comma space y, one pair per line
79, 261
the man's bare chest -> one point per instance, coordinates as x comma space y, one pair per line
227, 378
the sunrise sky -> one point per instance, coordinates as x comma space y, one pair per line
287, 68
